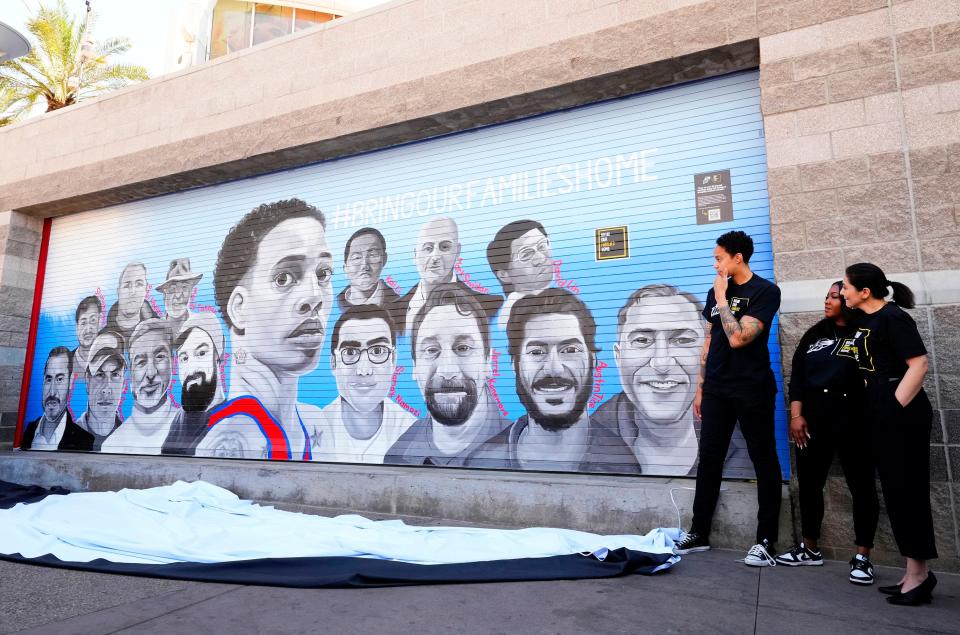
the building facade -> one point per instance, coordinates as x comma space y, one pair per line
617, 138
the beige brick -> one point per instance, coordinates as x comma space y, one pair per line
865, 139
859, 6
939, 254
946, 36
895, 224
953, 155
827, 62
862, 83
783, 181
934, 190
787, 237
876, 51
930, 69
881, 108
851, 172
914, 43
888, 196
926, 162
892, 257
920, 103
853, 228
791, 43
742, 28
772, 21
793, 208
934, 130
912, 15
782, 126
938, 222
949, 96
786, 152
887, 167
795, 96
847, 114
808, 12
809, 265
856, 28
817, 176
776, 73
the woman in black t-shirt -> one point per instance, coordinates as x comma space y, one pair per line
826, 392
893, 361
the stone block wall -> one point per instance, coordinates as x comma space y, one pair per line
861, 114
19, 249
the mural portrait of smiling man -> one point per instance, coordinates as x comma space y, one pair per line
273, 286
552, 342
362, 423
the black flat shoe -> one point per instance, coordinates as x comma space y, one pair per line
921, 594
893, 589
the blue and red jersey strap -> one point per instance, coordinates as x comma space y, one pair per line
278, 446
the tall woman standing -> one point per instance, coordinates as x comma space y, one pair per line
893, 360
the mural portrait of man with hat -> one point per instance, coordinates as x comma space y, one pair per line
105, 378
177, 290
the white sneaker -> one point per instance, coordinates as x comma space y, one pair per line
759, 556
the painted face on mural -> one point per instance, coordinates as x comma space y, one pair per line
658, 356
438, 248
56, 386
104, 391
365, 262
450, 364
88, 324
150, 368
363, 363
553, 372
283, 301
176, 298
531, 263
197, 366
133, 290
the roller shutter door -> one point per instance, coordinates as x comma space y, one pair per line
244, 306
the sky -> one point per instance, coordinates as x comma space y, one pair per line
145, 23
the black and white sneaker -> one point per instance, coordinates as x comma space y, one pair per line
759, 555
690, 542
801, 556
861, 571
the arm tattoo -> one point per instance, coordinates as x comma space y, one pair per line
703, 358
740, 333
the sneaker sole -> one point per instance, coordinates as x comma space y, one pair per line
860, 582
683, 552
801, 563
762, 563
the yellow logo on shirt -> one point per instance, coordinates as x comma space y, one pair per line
856, 348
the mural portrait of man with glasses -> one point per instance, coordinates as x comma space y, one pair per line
361, 424
522, 259
364, 258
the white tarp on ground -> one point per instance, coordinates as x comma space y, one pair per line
200, 522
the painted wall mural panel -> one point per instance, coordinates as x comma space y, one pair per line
523, 296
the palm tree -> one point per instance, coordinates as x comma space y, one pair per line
63, 67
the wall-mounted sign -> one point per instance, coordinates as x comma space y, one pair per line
714, 198
613, 243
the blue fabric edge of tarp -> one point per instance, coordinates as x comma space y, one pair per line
349, 572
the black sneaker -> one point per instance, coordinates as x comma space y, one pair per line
801, 556
759, 555
690, 543
861, 571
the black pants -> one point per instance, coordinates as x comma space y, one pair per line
754, 410
836, 427
901, 443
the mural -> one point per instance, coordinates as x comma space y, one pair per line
453, 318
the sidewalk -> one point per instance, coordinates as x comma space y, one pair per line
705, 592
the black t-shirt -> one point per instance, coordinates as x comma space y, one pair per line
883, 342
731, 368
817, 364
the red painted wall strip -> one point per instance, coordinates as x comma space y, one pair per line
32, 336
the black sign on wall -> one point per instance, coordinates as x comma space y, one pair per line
714, 198
613, 243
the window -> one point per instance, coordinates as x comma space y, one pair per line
238, 24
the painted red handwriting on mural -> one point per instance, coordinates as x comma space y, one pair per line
494, 373
397, 398
223, 372
193, 297
393, 284
205, 308
465, 277
597, 395
103, 308
153, 302
559, 280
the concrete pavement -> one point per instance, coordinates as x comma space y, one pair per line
705, 592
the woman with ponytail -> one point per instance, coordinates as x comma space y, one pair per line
893, 361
